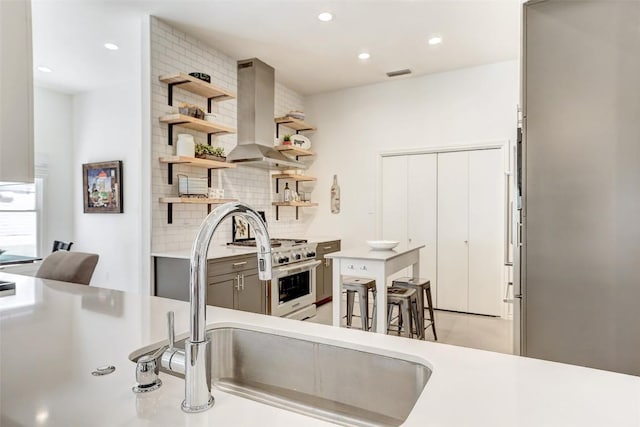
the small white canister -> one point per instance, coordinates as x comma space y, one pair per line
185, 146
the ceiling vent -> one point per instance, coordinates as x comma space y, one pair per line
398, 73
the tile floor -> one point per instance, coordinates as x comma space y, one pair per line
466, 330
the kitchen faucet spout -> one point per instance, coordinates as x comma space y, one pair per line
197, 348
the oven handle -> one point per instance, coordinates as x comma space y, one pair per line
296, 268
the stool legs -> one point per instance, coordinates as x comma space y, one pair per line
364, 309
350, 300
431, 315
374, 315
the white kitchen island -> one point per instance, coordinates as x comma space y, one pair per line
53, 334
372, 264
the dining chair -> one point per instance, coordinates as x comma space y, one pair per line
74, 267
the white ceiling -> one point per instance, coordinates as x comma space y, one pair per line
310, 56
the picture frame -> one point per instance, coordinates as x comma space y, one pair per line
102, 187
240, 229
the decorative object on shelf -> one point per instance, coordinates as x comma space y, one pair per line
286, 140
287, 192
240, 229
102, 187
191, 110
296, 114
185, 146
202, 76
211, 117
300, 141
216, 193
335, 196
382, 245
204, 151
195, 187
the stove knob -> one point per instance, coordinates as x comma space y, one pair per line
298, 256
286, 259
311, 254
280, 260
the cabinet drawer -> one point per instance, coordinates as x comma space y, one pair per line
359, 268
233, 265
328, 247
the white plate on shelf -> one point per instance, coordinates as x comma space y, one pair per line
382, 245
301, 141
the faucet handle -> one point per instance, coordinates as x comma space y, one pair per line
171, 329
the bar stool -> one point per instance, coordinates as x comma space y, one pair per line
423, 287
362, 288
407, 302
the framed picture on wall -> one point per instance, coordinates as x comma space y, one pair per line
240, 229
102, 187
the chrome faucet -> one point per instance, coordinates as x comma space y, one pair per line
198, 396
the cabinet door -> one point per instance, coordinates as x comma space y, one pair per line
251, 296
486, 231
16, 92
422, 213
453, 232
320, 291
221, 290
327, 277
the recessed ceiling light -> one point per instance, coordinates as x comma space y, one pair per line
44, 69
364, 55
435, 40
325, 16
111, 46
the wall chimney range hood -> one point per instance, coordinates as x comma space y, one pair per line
256, 88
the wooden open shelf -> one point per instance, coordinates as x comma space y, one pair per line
194, 161
295, 204
292, 150
196, 124
195, 200
294, 177
190, 200
295, 124
197, 86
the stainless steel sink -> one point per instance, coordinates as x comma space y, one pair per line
341, 385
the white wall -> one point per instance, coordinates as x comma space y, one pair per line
107, 126
53, 147
462, 107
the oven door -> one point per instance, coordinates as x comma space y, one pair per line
293, 287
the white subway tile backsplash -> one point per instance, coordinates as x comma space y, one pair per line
172, 51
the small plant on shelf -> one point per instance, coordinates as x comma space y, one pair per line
204, 151
286, 140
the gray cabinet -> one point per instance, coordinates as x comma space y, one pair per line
232, 282
324, 272
235, 284
16, 92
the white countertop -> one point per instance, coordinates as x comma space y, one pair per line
52, 335
365, 252
223, 251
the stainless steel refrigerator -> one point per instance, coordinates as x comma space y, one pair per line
579, 181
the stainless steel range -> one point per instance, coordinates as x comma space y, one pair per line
291, 292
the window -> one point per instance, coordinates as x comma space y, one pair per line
19, 218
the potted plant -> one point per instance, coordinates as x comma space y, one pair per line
204, 151
286, 140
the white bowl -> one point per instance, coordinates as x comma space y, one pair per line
382, 245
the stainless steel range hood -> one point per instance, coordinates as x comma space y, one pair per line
256, 87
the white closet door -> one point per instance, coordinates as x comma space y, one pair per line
486, 231
422, 213
453, 230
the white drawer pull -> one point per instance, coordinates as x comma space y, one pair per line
238, 264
